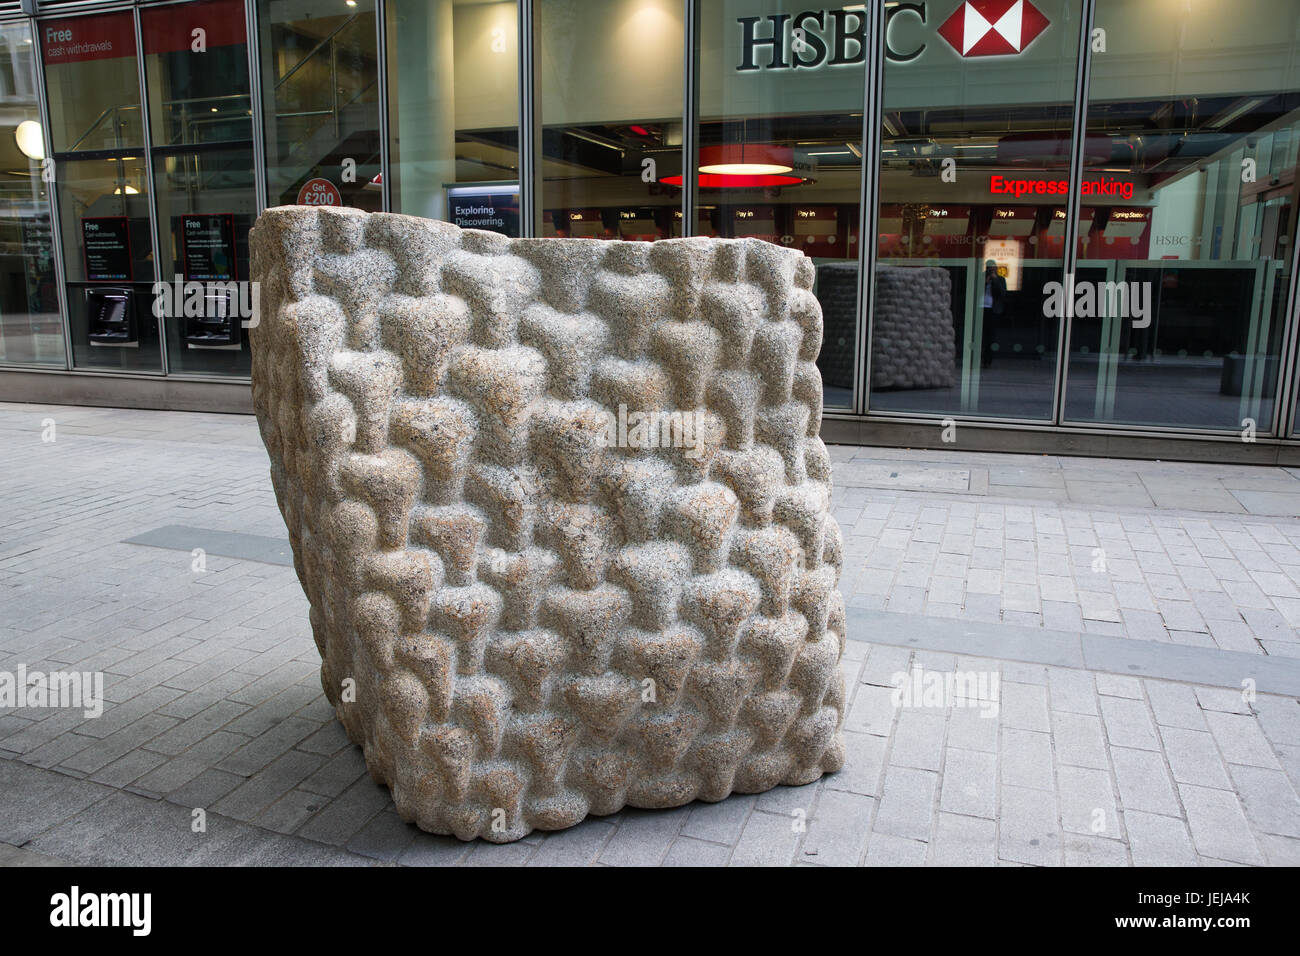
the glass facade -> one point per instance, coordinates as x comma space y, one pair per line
1083, 210
31, 328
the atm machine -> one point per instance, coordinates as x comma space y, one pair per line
110, 317
218, 325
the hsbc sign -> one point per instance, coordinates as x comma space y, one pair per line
815, 38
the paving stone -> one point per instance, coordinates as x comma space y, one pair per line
499, 854
1279, 851
1128, 724
1218, 825
1144, 784
290, 812
205, 788
688, 852
1174, 705
861, 773
1026, 760
1079, 741
1222, 700
581, 845
1269, 799
1028, 831
1087, 799
385, 837
970, 783
907, 803
1083, 850
129, 830
344, 817
1240, 740
884, 849
1024, 707
643, 837
964, 841
1072, 691
767, 840
1119, 685
973, 727
837, 831
33, 800
872, 712
719, 822
1279, 718
918, 739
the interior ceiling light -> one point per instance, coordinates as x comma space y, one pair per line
130, 191
741, 165
1234, 112
30, 139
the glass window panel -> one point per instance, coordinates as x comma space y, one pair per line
92, 82
31, 331
780, 153
453, 111
108, 257
610, 81
196, 70
206, 205
320, 85
1193, 126
974, 172
196, 64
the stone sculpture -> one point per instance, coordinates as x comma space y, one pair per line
528, 608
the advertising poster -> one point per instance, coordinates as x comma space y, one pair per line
106, 241
491, 208
209, 247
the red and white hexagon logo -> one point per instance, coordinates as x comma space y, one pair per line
993, 27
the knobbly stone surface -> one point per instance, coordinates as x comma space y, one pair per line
520, 625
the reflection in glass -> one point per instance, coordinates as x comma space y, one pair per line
1189, 213
92, 82
611, 106
30, 328
454, 111
973, 178
108, 258
779, 148
320, 86
202, 152
197, 96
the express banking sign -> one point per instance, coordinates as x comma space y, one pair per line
814, 38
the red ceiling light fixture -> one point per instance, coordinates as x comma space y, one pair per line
739, 165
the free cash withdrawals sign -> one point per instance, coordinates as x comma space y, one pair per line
209, 243
106, 242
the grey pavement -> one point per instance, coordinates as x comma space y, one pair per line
1052, 661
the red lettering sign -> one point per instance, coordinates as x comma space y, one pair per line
319, 192
105, 37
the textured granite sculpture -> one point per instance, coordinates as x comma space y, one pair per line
526, 611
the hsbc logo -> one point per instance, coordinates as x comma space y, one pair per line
993, 27
837, 37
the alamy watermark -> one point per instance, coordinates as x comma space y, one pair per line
653, 429
939, 690
56, 689
1089, 300
208, 300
